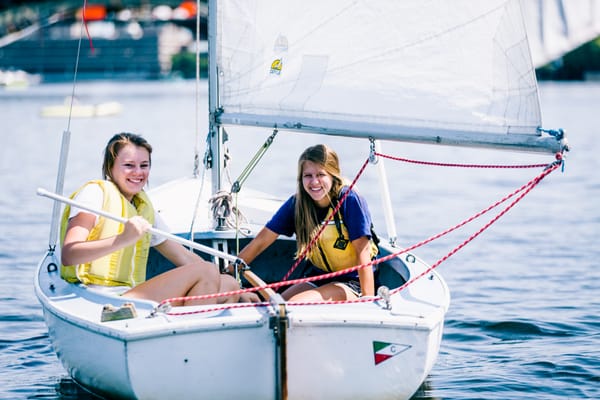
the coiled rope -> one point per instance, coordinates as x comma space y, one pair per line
224, 210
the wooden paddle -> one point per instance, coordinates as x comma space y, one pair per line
267, 293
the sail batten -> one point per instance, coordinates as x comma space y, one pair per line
440, 67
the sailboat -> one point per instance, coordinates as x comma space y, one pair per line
453, 73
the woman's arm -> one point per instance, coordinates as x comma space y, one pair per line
362, 246
78, 250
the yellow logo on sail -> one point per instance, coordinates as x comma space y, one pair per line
276, 66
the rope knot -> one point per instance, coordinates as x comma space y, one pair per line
223, 210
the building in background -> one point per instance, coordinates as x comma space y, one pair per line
114, 42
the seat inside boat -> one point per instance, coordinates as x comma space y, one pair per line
274, 263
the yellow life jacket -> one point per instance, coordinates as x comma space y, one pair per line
333, 250
125, 267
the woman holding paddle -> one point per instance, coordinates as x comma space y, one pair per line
100, 251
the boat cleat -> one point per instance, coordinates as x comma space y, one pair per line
112, 313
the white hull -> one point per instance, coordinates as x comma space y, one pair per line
328, 350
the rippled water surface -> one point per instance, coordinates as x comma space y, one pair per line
524, 319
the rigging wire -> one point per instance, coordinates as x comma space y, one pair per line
224, 205
66, 138
197, 94
196, 169
237, 185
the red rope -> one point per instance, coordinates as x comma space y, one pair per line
523, 190
86, 26
437, 164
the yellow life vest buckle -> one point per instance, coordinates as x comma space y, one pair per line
340, 243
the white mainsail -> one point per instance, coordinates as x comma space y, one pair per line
555, 27
453, 72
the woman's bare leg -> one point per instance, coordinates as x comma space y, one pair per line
330, 292
187, 280
228, 284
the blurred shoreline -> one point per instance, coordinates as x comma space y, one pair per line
154, 40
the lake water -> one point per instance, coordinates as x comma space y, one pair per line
524, 321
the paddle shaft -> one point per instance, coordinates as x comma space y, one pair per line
170, 236
254, 280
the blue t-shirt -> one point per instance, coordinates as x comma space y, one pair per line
355, 214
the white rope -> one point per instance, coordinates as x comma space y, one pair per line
222, 209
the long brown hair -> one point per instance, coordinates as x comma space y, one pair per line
305, 213
115, 144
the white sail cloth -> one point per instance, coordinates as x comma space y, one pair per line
555, 27
389, 68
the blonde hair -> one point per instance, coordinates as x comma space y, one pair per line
305, 212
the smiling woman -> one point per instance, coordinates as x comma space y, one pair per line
98, 251
127, 162
321, 197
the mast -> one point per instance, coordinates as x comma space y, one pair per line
215, 129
